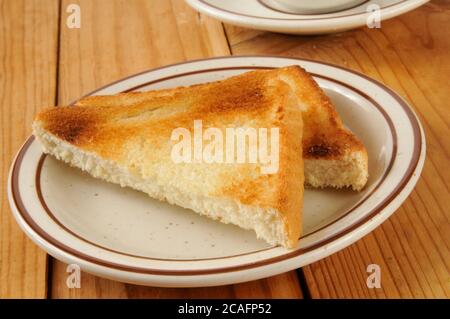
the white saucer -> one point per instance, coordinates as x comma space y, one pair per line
266, 15
123, 234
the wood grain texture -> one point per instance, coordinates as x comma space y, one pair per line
281, 286
117, 39
411, 55
28, 33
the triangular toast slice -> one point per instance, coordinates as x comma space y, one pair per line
132, 144
334, 156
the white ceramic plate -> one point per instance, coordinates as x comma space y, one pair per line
266, 15
123, 234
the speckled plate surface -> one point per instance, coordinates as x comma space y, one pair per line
123, 234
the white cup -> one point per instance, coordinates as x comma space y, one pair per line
316, 6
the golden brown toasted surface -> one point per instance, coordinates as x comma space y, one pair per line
236, 101
69, 124
137, 136
324, 135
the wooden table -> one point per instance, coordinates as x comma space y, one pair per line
44, 63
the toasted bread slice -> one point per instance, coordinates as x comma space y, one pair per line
334, 156
132, 146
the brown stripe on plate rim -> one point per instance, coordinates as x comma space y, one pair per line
405, 179
296, 19
358, 204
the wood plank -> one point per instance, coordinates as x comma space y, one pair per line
119, 38
28, 47
409, 54
282, 286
